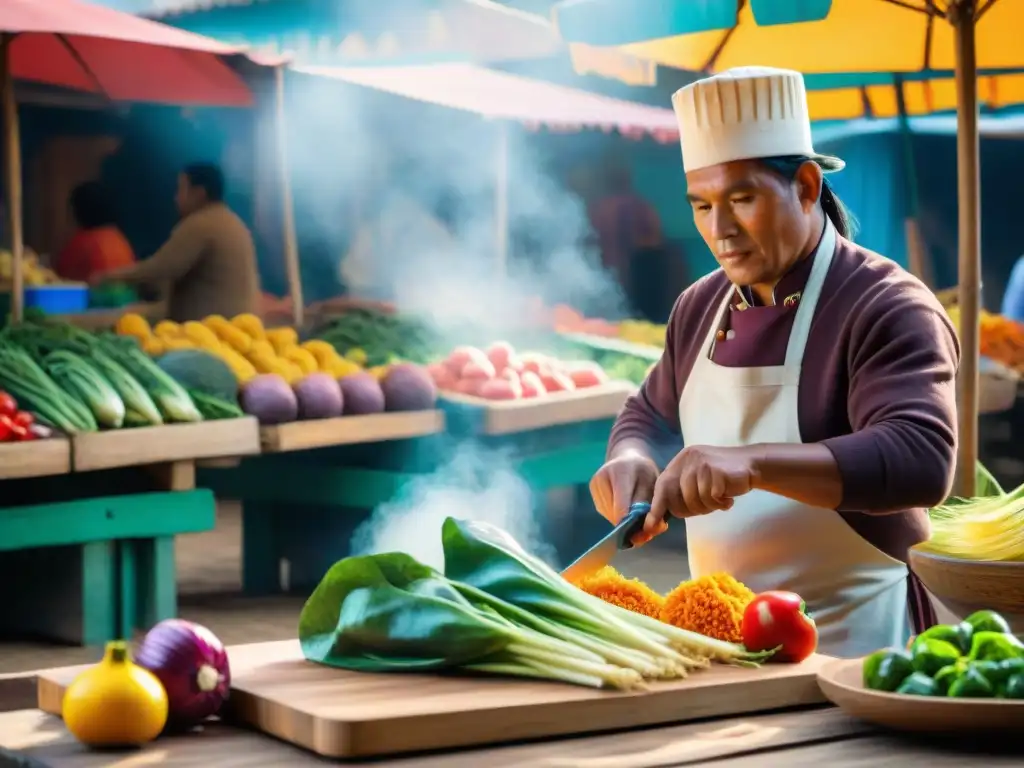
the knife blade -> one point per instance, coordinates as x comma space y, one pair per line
599, 555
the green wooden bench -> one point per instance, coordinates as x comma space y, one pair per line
89, 570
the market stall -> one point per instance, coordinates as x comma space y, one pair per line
92, 507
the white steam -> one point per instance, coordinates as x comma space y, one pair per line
367, 165
478, 484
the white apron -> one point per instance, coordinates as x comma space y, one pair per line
856, 594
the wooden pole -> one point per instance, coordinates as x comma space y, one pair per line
291, 247
969, 230
12, 177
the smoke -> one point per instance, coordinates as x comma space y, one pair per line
478, 484
397, 200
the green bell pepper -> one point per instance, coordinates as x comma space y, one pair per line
918, 684
971, 685
957, 635
1014, 688
885, 670
995, 646
988, 621
929, 655
945, 677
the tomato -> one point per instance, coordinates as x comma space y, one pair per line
779, 620
24, 418
8, 406
5, 428
20, 432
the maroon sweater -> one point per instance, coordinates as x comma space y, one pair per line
877, 385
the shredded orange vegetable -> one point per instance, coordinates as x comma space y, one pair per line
632, 594
711, 605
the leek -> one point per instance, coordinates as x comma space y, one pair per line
78, 378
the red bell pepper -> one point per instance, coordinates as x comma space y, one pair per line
779, 620
8, 405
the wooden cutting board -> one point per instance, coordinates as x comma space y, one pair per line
341, 714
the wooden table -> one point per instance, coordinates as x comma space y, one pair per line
794, 739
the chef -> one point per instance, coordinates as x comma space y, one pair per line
811, 380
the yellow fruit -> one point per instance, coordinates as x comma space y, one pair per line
153, 347
264, 364
133, 324
216, 322
178, 343
356, 355
303, 359
379, 372
238, 340
250, 324
242, 368
262, 348
115, 703
319, 347
201, 335
167, 328
284, 337
340, 368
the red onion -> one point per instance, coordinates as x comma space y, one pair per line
192, 665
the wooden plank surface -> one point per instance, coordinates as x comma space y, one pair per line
349, 430
171, 442
810, 738
35, 458
344, 714
503, 417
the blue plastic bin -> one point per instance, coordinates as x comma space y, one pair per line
57, 299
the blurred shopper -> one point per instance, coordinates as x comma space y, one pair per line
630, 238
98, 245
208, 265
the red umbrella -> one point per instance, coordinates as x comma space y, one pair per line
75, 45
94, 49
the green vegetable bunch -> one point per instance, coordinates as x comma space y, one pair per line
977, 658
496, 609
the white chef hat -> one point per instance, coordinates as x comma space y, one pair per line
746, 113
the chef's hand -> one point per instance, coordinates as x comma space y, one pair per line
698, 481
622, 481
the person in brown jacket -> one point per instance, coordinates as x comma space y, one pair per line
209, 262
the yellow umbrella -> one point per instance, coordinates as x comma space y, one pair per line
856, 36
921, 97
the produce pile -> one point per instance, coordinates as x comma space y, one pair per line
717, 606
495, 609
1002, 339
180, 677
567, 320
986, 528
499, 373
979, 658
383, 337
33, 273
244, 345
275, 377
17, 426
76, 381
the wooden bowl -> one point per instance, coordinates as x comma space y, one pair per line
842, 684
965, 586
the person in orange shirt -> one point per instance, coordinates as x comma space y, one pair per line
98, 245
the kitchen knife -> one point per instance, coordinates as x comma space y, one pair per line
599, 555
